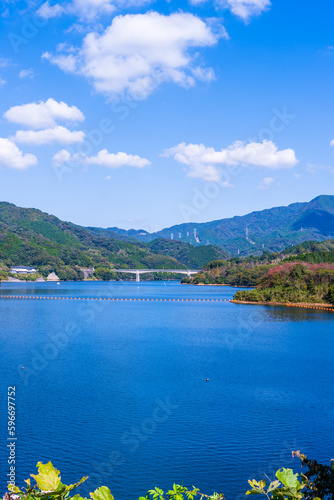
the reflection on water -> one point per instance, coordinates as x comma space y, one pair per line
284, 314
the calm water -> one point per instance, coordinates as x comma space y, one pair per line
118, 391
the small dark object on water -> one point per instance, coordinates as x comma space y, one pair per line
22, 368
207, 380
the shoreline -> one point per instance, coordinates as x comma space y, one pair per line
304, 305
218, 284
81, 281
206, 284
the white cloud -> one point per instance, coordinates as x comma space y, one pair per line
43, 113
241, 8
58, 134
139, 52
265, 183
247, 8
204, 162
2, 82
26, 73
116, 160
103, 158
47, 11
67, 62
61, 157
87, 10
12, 157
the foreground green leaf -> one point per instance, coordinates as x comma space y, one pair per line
288, 478
48, 478
102, 493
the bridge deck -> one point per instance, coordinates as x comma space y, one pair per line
141, 271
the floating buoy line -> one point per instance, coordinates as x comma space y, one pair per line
302, 306
128, 299
120, 299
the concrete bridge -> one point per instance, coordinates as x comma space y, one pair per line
138, 272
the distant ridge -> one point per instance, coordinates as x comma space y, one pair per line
272, 229
29, 236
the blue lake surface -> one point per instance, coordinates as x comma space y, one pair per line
117, 390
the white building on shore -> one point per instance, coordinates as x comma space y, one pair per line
22, 270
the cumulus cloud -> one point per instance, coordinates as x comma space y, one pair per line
47, 11
66, 62
58, 134
43, 113
12, 157
247, 8
61, 157
241, 8
103, 158
205, 162
265, 183
87, 10
139, 52
116, 160
90, 9
26, 73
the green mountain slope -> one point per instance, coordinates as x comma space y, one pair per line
273, 229
193, 257
248, 271
33, 238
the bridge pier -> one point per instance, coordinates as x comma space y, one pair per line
137, 276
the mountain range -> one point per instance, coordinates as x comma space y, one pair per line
273, 229
31, 237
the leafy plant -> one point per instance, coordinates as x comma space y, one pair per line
179, 492
316, 484
286, 486
48, 485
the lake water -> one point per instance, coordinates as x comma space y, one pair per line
117, 389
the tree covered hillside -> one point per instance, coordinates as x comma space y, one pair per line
272, 229
293, 282
30, 237
304, 273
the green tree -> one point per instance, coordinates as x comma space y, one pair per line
330, 295
104, 274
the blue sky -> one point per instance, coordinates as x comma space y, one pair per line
134, 113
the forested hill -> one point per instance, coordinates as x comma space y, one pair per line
30, 237
303, 273
273, 229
